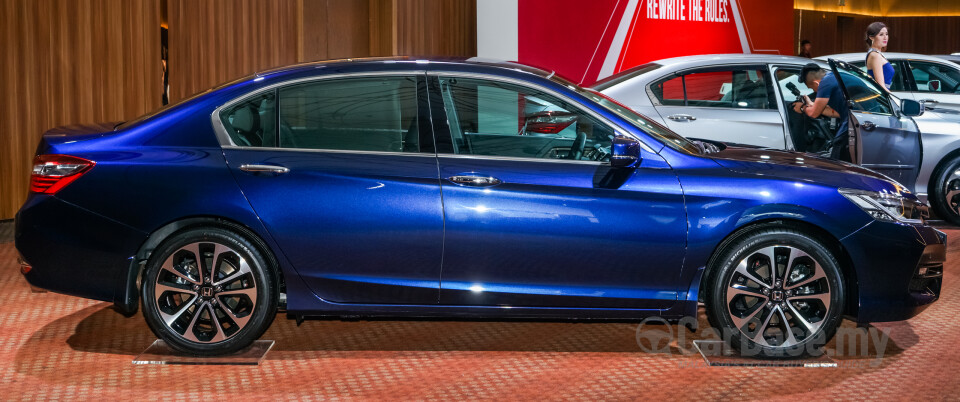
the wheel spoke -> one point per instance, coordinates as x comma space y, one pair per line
790, 339
823, 297
771, 256
240, 321
742, 270
817, 274
168, 266
170, 318
218, 336
811, 327
763, 326
188, 333
244, 269
195, 249
250, 292
218, 251
794, 254
740, 322
161, 288
738, 289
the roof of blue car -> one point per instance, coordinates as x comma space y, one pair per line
443, 61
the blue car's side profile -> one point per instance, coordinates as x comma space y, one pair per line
462, 189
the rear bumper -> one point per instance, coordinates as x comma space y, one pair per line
73, 251
899, 269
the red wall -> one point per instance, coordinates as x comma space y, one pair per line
574, 37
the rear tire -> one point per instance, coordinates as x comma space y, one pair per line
790, 311
208, 291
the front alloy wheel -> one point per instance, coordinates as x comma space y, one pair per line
778, 294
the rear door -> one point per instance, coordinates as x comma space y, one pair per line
343, 173
885, 140
728, 103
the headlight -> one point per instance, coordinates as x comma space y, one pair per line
886, 206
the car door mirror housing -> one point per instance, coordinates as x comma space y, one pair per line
625, 152
911, 108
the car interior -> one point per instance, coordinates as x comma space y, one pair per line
808, 134
490, 118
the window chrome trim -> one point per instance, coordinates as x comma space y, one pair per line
329, 151
617, 129
521, 159
221, 131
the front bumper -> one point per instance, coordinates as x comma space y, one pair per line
898, 269
67, 249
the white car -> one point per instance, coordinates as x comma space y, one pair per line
929, 79
746, 99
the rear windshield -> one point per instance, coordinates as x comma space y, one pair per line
624, 75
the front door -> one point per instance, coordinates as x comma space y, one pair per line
535, 216
889, 142
343, 174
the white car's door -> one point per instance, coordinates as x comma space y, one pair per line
733, 104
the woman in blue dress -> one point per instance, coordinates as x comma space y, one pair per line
877, 66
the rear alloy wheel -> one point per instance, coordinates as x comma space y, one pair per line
778, 294
208, 291
946, 193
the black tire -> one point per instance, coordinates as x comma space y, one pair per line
945, 193
788, 304
212, 314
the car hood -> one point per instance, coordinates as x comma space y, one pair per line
804, 167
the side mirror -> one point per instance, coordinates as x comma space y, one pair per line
911, 108
933, 85
625, 152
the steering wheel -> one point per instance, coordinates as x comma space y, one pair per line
579, 143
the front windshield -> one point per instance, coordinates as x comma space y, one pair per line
661, 133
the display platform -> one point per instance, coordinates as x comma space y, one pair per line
160, 353
718, 353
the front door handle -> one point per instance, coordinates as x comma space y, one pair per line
869, 126
274, 169
474, 181
682, 117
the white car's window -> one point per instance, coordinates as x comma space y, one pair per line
935, 77
735, 88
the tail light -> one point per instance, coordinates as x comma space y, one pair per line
550, 122
53, 172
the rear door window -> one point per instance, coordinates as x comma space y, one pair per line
733, 88
353, 114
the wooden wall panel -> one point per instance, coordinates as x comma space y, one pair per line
436, 27
70, 61
833, 33
216, 41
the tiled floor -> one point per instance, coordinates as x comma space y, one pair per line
61, 347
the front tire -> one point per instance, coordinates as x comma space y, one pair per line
208, 291
945, 194
776, 292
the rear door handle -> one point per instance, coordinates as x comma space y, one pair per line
681, 117
274, 169
869, 126
474, 181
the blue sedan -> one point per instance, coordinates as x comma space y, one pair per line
460, 189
